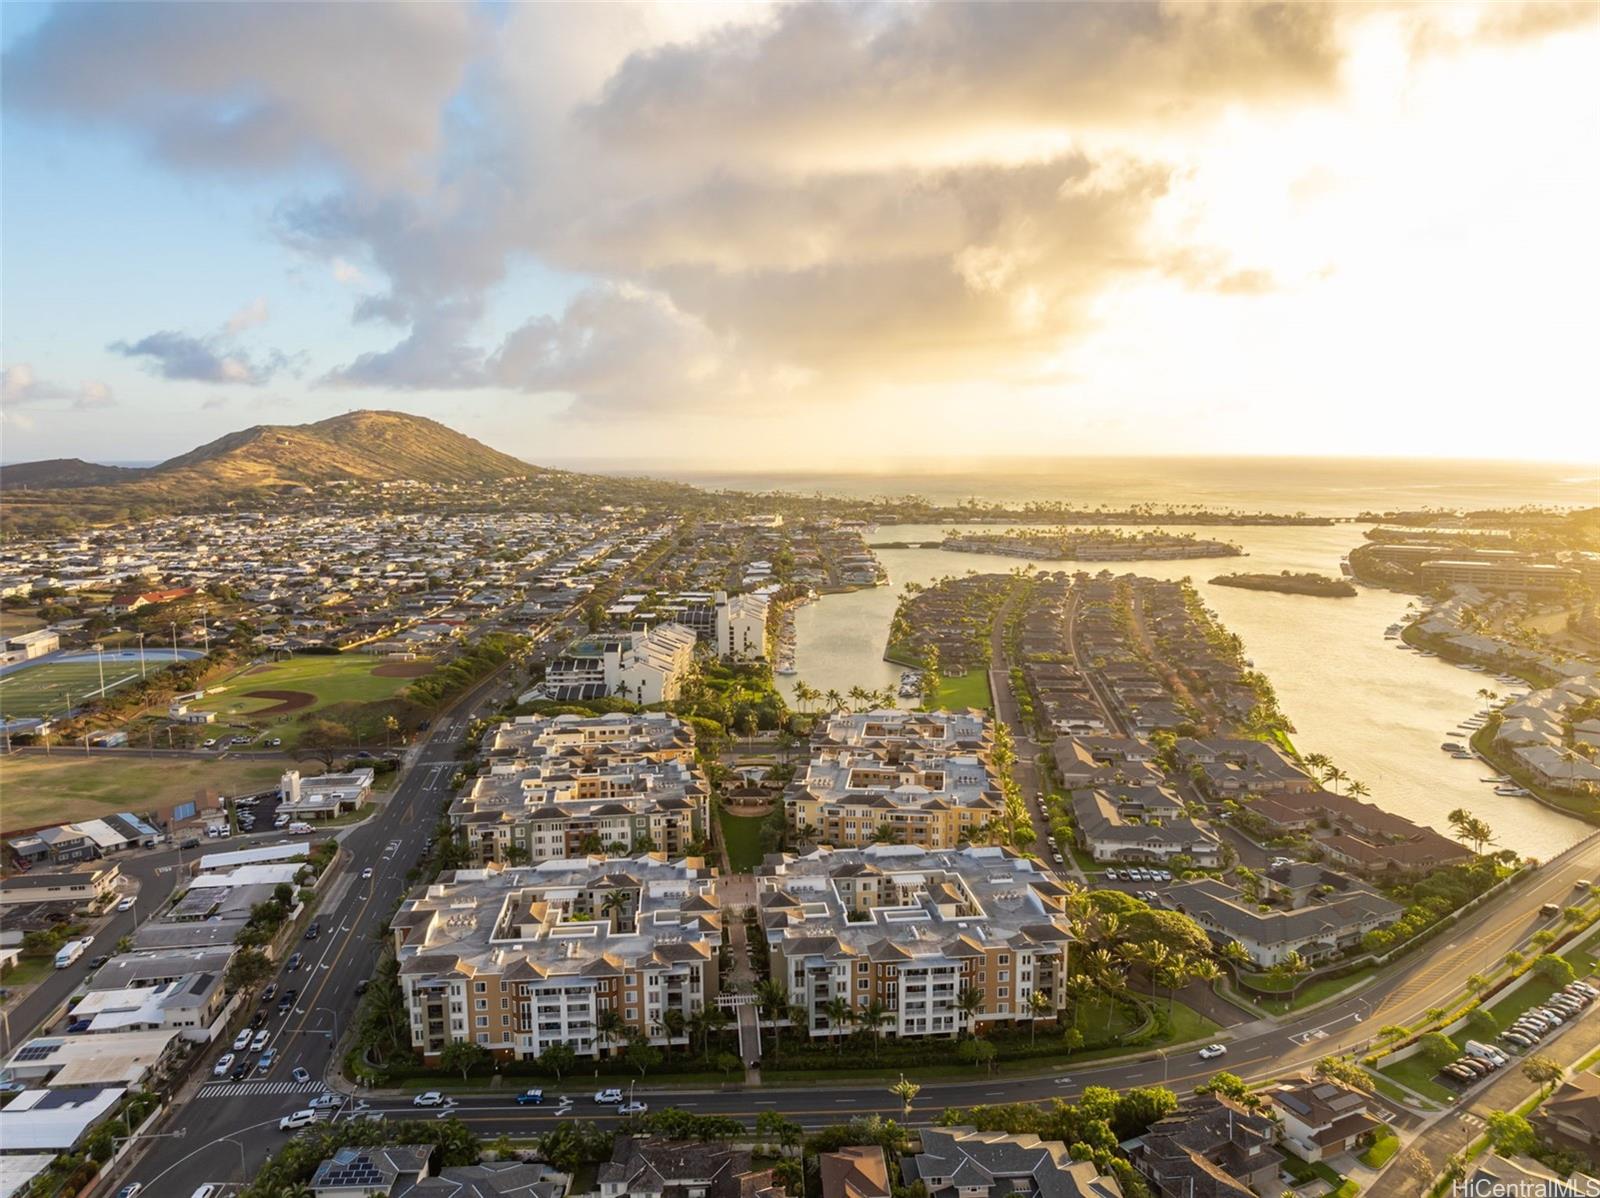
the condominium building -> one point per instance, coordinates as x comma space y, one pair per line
736, 625
924, 777
647, 666
570, 786
519, 959
912, 930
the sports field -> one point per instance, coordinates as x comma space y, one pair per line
305, 685
47, 688
69, 785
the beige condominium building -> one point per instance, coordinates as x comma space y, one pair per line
912, 929
519, 959
570, 786
924, 776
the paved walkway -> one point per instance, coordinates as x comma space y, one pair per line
738, 894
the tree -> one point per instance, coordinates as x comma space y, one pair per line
323, 740
970, 1002
773, 1128
839, 1013
979, 1052
1510, 1133
558, 1058
1556, 970
249, 967
610, 1028
1545, 1072
641, 1055
1039, 1007
463, 1055
872, 1017
1229, 1085
1439, 1048
906, 1092
674, 1023
1346, 1071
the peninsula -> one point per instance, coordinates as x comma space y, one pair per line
1289, 584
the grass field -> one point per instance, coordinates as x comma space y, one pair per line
45, 689
68, 786
344, 678
742, 835
965, 690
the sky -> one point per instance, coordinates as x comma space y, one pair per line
809, 236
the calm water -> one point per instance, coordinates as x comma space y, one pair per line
1321, 486
1378, 711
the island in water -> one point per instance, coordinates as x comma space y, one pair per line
1089, 545
1290, 584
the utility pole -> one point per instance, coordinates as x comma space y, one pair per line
100, 658
141, 655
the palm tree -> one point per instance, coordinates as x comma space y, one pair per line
614, 904
1039, 1005
1317, 762
861, 695
969, 1002
673, 1022
834, 698
610, 1028
839, 1013
873, 1016
1357, 790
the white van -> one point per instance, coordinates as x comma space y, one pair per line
1485, 1052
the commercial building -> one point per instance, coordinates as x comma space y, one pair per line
912, 929
1507, 575
323, 797
519, 959
28, 645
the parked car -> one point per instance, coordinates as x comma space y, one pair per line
297, 1120
428, 1098
527, 1097
125, 905
97, 962
223, 1065
608, 1097
1212, 1051
1488, 1052
206, 1191
276, 741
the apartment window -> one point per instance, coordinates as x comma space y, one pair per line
483, 1021
482, 1004
480, 987
633, 1012
1005, 959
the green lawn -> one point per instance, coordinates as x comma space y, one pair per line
27, 971
340, 678
1304, 1171
1418, 1073
964, 690
742, 835
68, 786
1384, 1146
1314, 992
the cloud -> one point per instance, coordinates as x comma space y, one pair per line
252, 314
214, 403
346, 273
19, 386
254, 86
183, 358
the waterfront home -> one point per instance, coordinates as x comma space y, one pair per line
1118, 826
961, 1162
913, 929
1230, 767
1321, 1118
1323, 924
1210, 1147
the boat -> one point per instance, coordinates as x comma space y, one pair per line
1463, 755
1450, 746
1510, 791
787, 668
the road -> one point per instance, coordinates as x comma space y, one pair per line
353, 915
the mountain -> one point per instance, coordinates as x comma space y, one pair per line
64, 472
365, 446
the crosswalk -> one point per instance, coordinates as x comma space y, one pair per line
246, 1089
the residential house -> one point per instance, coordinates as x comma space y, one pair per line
959, 1162
858, 1171
1126, 826
1319, 925
1322, 1118
364, 1172
1210, 1147
646, 1167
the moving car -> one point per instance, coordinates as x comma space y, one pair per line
428, 1098
129, 1190
608, 1097
297, 1120
1212, 1051
272, 988
267, 1061
223, 1065
633, 1108
300, 1075
125, 905
314, 930
530, 1096
240, 1071
366, 873
326, 1102
294, 962
260, 1040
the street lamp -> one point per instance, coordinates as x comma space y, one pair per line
100, 657
141, 655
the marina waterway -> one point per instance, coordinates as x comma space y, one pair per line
1380, 712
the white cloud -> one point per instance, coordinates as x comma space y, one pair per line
19, 386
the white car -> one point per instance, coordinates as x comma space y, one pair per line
297, 1120
326, 1101
242, 1040
260, 1040
608, 1097
125, 905
1212, 1051
633, 1108
224, 1063
428, 1098
366, 873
